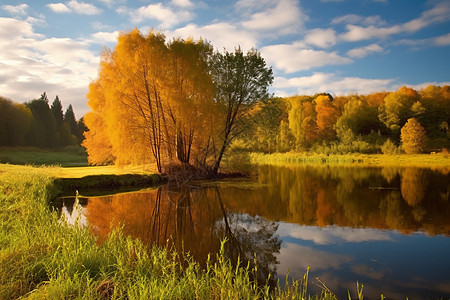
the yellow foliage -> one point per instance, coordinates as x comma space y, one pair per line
151, 102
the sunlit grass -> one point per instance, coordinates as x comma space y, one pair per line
69, 156
418, 160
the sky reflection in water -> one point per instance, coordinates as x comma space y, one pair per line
387, 228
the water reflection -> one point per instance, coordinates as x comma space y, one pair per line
387, 228
191, 219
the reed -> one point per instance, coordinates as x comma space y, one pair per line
418, 160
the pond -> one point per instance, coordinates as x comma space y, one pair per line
387, 228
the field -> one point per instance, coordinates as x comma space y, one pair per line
70, 156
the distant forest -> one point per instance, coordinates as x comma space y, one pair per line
37, 124
321, 123
385, 122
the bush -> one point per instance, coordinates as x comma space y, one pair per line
413, 137
389, 148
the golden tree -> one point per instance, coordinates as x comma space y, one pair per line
413, 137
326, 117
150, 100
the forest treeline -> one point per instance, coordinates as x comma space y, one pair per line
37, 124
179, 102
406, 120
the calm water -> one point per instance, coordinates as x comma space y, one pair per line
387, 228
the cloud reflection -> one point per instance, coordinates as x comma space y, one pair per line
295, 259
332, 234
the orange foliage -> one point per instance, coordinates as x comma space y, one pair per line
326, 117
151, 102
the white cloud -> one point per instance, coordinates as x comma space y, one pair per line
221, 35
104, 37
112, 3
357, 19
284, 16
58, 8
357, 33
334, 84
323, 38
443, 40
20, 9
81, 8
165, 15
364, 51
292, 58
182, 3
31, 64
439, 13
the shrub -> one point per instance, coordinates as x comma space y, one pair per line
389, 148
413, 137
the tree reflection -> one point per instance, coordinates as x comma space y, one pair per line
252, 239
193, 220
405, 199
413, 186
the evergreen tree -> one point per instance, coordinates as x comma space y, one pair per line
57, 111
43, 131
69, 118
81, 128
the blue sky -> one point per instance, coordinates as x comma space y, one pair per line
335, 46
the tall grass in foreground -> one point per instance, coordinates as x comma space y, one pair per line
44, 258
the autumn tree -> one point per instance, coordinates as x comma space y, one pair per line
396, 109
413, 137
190, 92
265, 124
241, 80
300, 109
327, 115
154, 98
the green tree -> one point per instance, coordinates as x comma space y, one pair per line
43, 131
57, 111
241, 80
396, 108
15, 121
413, 137
265, 123
69, 118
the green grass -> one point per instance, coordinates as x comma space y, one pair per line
42, 258
70, 156
418, 160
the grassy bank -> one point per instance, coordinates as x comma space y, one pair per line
418, 160
42, 258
